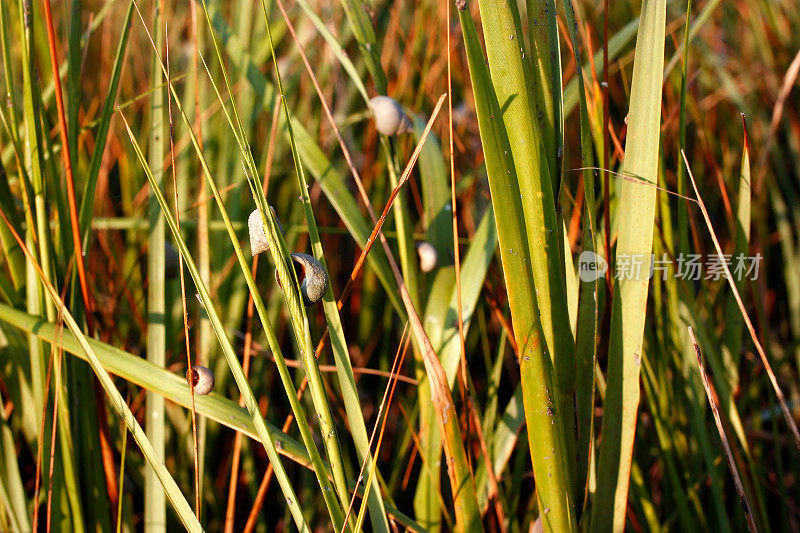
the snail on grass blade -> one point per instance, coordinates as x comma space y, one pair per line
201, 379
258, 235
427, 256
314, 281
389, 116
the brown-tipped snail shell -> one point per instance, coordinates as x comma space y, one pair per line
171, 261
258, 235
201, 379
315, 279
389, 116
427, 256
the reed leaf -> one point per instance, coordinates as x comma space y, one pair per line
630, 295
543, 414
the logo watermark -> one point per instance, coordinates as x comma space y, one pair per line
689, 267
591, 266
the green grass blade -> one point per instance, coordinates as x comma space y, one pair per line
337, 49
616, 46
475, 266
14, 256
439, 233
543, 415
630, 295
138, 371
734, 324
435, 191
291, 392
331, 181
155, 505
87, 199
14, 492
683, 214
288, 279
545, 61
15, 259
443, 333
510, 77
299, 316
367, 41
587, 328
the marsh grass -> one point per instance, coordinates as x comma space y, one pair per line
498, 390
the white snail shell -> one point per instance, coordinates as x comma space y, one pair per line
315, 279
171, 261
427, 256
389, 116
258, 235
201, 379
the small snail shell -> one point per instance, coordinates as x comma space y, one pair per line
315, 278
201, 379
258, 235
389, 116
171, 261
427, 256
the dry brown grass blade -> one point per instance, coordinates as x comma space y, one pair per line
773, 380
714, 401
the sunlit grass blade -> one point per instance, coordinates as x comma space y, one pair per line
440, 285
333, 185
543, 413
445, 337
620, 409
545, 61
588, 310
155, 421
337, 49
306, 347
314, 158
300, 322
510, 78
173, 387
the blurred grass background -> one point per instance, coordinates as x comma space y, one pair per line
68, 463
